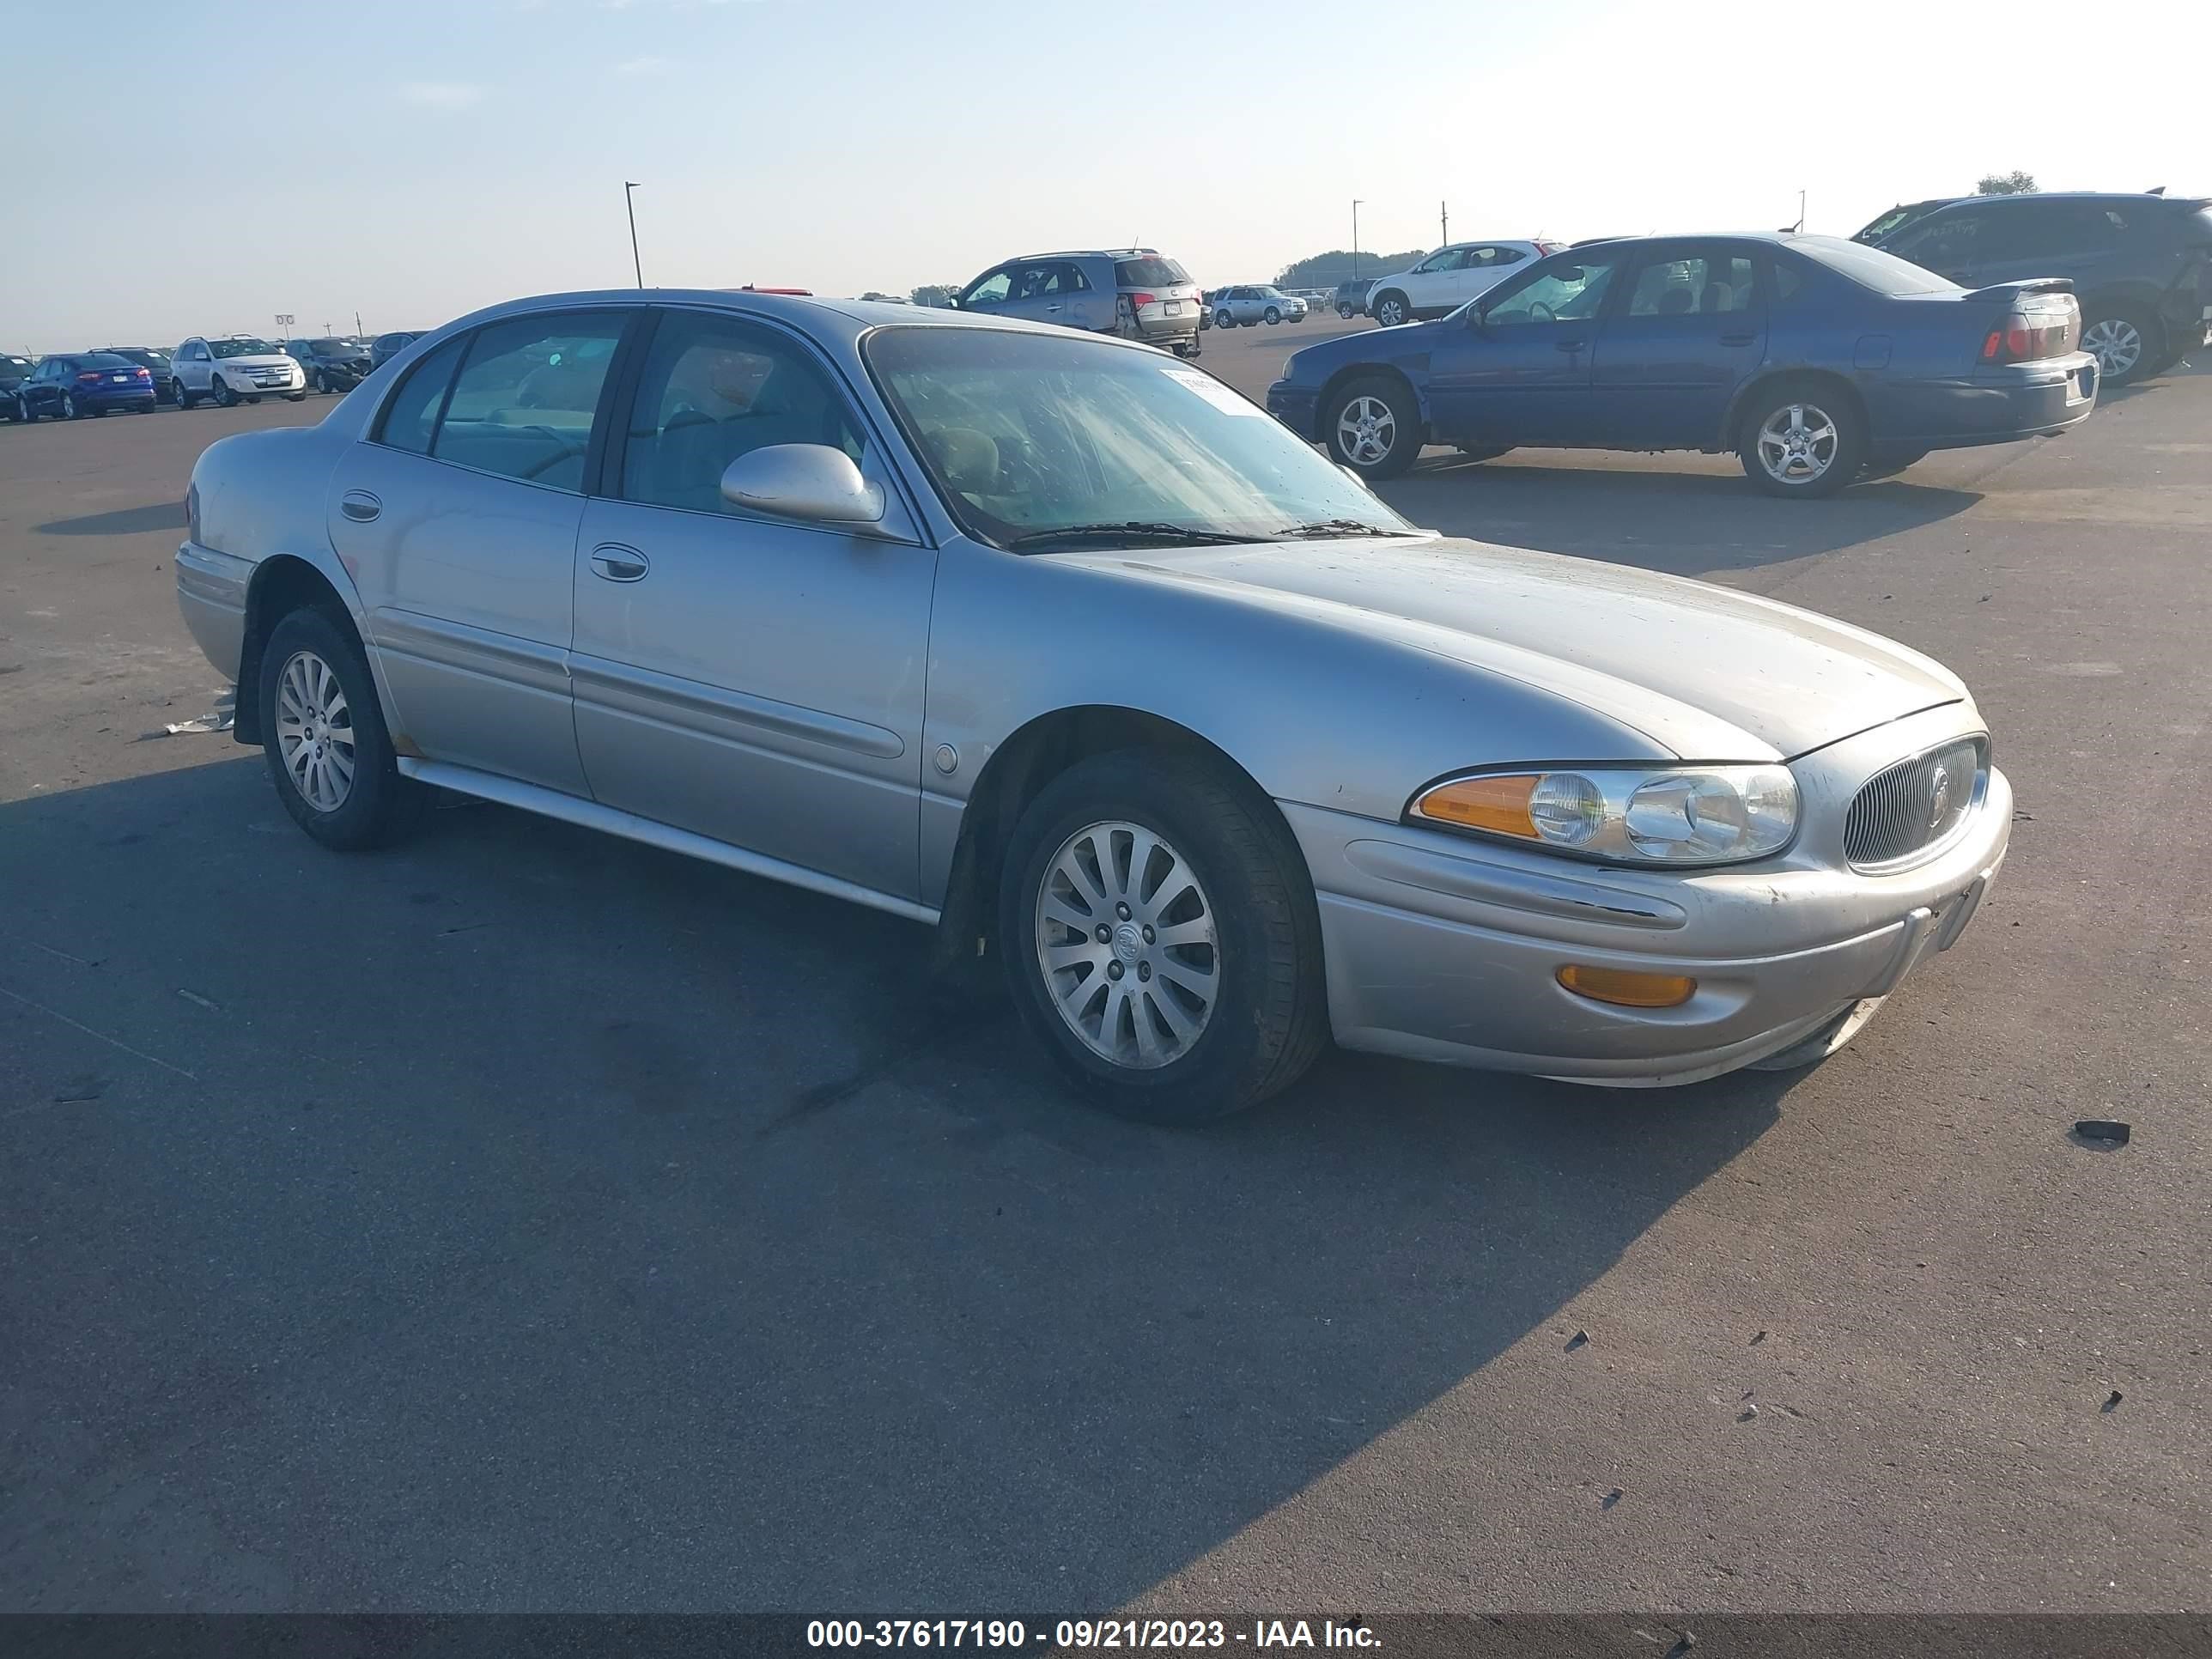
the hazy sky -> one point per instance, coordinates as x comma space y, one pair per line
411, 160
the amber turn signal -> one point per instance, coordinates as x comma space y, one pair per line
1629, 990
1499, 805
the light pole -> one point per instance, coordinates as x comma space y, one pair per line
1443, 209
638, 265
1355, 238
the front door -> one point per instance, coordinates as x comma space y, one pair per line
1516, 370
458, 520
1692, 326
753, 679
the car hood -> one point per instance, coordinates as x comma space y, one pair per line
277, 360
1705, 672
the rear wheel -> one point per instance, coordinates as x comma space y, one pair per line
324, 733
1160, 938
2125, 343
1346, 312
1374, 428
1801, 439
70, 410
1391, 309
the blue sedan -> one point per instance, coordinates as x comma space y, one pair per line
1816, 360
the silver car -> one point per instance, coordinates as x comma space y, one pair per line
1254, 302
1133, 292
1066, 650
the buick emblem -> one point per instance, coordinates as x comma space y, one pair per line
1939, 795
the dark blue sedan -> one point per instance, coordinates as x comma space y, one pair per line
1815, 360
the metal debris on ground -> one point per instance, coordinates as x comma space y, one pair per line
221, 718
1580, 1339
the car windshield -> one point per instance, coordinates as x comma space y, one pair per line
1884, 224
15, 365
1151, 271
1028, 436
243, 349
333, 348
1870, 267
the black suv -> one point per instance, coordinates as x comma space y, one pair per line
2141, 265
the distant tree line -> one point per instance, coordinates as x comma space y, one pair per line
1328, 270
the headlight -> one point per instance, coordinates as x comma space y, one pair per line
1628, 815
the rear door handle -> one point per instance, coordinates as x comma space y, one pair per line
618, 563
359, 506
1737, 339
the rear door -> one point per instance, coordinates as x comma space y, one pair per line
1517, 369
753, 679
1688, 327
459, 520
2029, 239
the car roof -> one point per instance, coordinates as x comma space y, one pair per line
843, 320
1089, 254
2077, 196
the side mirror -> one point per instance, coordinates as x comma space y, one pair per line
811, 483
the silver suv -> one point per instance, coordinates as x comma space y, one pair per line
1133, 292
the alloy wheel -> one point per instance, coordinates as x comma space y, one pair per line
314, 732
1391, 312
1366, 431
2116, 343
1797, 443
1126, 945
69, 407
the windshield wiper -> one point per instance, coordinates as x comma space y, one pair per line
1337, 527
1132, 530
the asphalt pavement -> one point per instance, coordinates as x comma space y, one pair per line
522, 1219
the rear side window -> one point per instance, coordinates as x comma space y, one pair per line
412, 416
1872, 267
1151, 271
523, 402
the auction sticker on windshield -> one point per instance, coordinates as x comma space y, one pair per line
1214, 392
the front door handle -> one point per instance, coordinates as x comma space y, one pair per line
359, 506
1568, 345
618, 563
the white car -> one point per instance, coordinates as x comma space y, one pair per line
1449, 278
239, 369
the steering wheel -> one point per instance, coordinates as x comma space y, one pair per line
1549, 316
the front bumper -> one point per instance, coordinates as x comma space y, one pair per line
1443, 948
1297, 407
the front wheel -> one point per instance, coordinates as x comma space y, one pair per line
2125, 346
1374, 428
69, 410
1160, 937
184, 399
224, 397
1391, 310
1271, 316
1802, 441
323, 731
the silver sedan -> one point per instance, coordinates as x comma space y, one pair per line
1065, 649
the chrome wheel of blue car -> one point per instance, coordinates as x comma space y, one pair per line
1798, 444
1367, 431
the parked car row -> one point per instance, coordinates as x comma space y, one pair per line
1817, 360
239, 368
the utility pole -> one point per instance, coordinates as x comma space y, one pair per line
356, 323
637, 263
1443, 212
1355, 238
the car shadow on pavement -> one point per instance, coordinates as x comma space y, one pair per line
1684, 523
123, 521
524, 1218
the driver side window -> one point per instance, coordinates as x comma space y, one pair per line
1450, 259
1571, 292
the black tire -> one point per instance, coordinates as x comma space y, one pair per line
1223, 319
378, 805
2149, 340
1269, 1018
1839, 460
69, 410
1391, 308
1405, 437
293, 397
322, 383
184, 399
1271, 316
1473, 452
225, 396
25, 413
1346, 312
1888, 463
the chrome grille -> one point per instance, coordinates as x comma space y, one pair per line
1908, 810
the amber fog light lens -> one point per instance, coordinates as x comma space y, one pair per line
1629, 990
